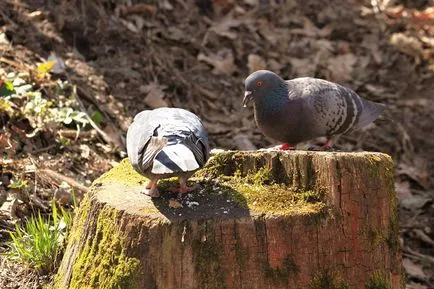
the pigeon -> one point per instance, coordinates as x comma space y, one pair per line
305, 108
167, 142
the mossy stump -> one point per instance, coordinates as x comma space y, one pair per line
260, 220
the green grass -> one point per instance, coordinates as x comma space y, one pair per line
39, 243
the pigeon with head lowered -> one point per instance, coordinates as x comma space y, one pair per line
305, 108
167, 142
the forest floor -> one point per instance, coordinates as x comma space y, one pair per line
116, 58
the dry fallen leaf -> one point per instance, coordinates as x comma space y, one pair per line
223, 28
341, 67
255, 62
10, 207
407, 44
311, 30
223, 61
302, 67
155, 96
173, 203
414, 202
402, 189
275, 66
413, 270
417, 171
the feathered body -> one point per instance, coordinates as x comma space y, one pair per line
305, 108
167, 142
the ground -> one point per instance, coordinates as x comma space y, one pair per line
124, 57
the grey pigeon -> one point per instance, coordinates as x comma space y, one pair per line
305, 108
167, 142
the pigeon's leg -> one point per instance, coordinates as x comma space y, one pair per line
282, 147
151, 189
328, 145
183, 188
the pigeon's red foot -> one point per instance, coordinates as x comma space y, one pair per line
285, 147
282, 147
328, 145
183, 188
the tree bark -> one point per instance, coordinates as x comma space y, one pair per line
260, 220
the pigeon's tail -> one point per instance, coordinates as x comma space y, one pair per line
175, 158
370, 112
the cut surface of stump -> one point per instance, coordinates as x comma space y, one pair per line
259, 220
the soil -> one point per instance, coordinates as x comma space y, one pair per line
126, 56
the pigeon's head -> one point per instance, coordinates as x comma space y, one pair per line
259, 84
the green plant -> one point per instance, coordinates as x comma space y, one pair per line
49, 108
39, 243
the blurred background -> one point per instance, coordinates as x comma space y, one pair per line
74, 73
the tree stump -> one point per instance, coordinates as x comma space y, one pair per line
260, 220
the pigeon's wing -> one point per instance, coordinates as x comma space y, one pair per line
196, 136
144, 141
331, 108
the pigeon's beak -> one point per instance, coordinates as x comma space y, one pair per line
247, 97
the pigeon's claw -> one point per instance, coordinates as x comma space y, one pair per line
151, 189
183, 188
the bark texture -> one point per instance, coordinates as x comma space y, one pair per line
340, 229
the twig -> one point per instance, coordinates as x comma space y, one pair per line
422, 257
58, 178
72, 133
40, 150
423, 237
14, 64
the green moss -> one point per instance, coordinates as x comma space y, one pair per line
102, 262
217, 165
281, 274
257, 190
262, 177
275, 199
327, 280
374, 236
378, 280
123, 173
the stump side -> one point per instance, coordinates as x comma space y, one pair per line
344, 237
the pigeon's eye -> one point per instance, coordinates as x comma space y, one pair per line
259, 83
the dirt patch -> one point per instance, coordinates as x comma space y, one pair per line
124, 57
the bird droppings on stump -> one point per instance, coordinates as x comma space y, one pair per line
263, 219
